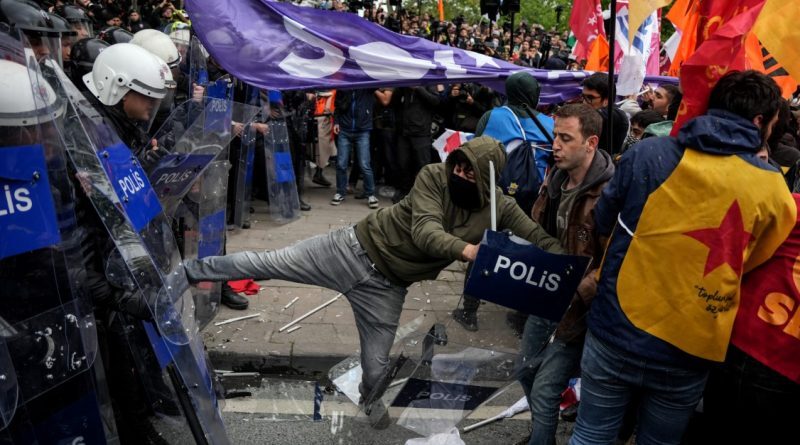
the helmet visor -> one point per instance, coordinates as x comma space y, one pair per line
82, 30
141, 108
46, 47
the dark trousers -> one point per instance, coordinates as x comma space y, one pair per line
413, 153
747, 402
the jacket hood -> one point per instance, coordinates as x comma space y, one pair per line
522, 89
720, 132
601, 170
480, 151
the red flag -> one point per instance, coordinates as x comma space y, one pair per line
767, 324
586, 22
724, 51
698, 20
441, 10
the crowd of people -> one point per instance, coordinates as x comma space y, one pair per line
646, 354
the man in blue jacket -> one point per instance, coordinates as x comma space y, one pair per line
686, 217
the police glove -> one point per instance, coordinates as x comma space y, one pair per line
132, 303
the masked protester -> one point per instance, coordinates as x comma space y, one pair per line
374, 262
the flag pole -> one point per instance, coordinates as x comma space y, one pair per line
612, 96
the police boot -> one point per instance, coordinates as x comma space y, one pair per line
319, 179
232, 299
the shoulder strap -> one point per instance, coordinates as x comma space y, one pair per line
519, 124
539, 125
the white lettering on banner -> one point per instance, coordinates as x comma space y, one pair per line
384, 61
520, 271
16, 200
452, 69
331, 61
379, 60
171, 178
131, 183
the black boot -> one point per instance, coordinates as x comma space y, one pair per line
232, 299
319, 179
467, 319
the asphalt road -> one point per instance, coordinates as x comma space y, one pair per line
280, 411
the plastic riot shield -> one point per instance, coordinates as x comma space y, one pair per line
129, 209
198, 68
431, 383
191, 180
242, 156
48, 342
284, 202
8, 381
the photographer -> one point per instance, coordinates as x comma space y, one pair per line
466, 103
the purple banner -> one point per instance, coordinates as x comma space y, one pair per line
280, 46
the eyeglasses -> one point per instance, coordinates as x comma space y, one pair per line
588, 98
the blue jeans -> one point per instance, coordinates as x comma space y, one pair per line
667, 396
345, 141
545, 375
337, 261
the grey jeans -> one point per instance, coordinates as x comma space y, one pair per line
337, 261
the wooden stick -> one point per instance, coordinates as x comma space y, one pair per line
309, 313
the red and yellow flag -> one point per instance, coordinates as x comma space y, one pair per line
681, 275
767, 325
724, 51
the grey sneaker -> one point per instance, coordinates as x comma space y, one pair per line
337, 199
372, 202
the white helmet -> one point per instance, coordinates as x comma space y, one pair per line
159, 44
20, 108
180, 36
124, 67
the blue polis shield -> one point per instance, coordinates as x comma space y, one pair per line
514, 273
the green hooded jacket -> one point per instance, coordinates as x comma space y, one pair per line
416, 238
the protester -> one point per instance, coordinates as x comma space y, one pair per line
512, 125
353, 124
595, 94
564, 209
373, 262
687, 216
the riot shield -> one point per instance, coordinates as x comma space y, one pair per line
198, 69
431, 383
48, 342
128, 207
8, 379
284, 201
191, 180
242, 161
242, 172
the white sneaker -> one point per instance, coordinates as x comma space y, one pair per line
337, 199
372, 202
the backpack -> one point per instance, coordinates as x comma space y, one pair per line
520, 178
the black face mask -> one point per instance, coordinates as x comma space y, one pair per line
463, 193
